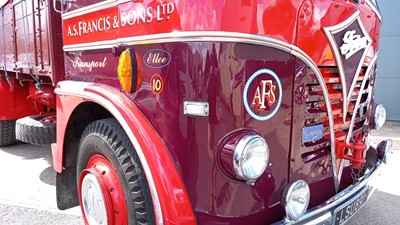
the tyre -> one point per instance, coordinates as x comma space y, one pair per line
112, 186
36, 130
7, 132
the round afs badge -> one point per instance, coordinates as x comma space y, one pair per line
262, 94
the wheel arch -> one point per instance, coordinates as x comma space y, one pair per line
83, 115
80, 103
65, 152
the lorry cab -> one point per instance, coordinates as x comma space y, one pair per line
222, 112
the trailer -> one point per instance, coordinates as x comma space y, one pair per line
31, 64
198, 112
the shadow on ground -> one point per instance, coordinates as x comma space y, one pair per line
33, 152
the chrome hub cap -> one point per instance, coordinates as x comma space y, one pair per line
93, 201
101, 194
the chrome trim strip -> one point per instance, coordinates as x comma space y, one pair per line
329, 31
77, 88
366, 77
90, 46
343, 196
307, 59
92, 8
220, 36
375, 9
185, 36
341, 165
324, 219
368, 48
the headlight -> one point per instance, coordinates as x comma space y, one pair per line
297, 198
379, 116
384, 148
250, 157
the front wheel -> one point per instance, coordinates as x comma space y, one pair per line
111, 184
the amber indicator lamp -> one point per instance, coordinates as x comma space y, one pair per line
129, 74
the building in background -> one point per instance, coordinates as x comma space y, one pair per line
388, 81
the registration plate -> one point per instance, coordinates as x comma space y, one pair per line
344, 213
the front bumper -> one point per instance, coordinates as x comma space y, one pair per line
328, 212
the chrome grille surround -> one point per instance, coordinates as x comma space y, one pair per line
347, 90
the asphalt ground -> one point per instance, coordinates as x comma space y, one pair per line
384, 205
27, 187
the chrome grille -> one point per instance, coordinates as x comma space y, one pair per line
317, 110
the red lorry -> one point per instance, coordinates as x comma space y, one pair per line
198, 112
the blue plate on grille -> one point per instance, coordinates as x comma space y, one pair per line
313, 133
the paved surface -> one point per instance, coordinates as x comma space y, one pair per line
384, 205
27, 188
24, 215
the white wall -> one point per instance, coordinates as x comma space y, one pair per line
388, 80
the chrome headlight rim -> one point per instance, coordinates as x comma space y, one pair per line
293, 211
379, 116
384, 148
242, 149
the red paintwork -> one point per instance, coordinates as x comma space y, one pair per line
188, 158
14, 102
108, 180
176, 206
213, 72
49, 119
194, 142
44, 96
217, 75
358, 157
41, 35
276, 19
65, 107
30, 37
73, 31
315, 15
